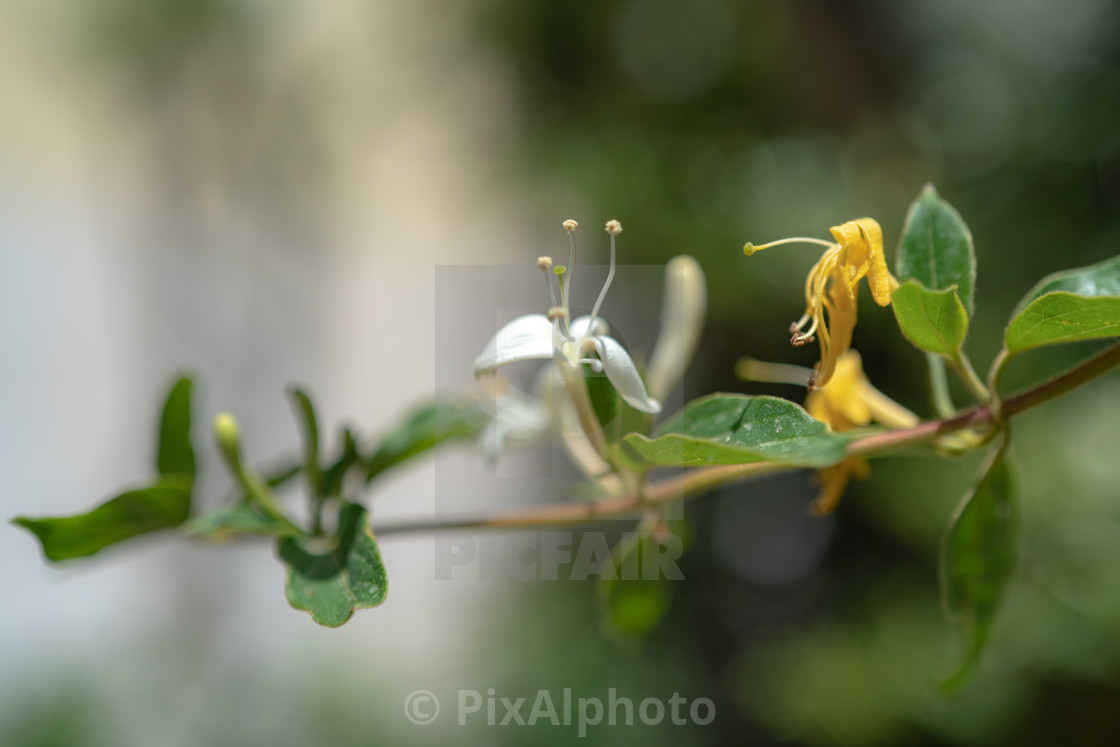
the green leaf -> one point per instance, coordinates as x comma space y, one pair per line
309, 428
231, 519
175, 455
936, 247
1094, 281
425, 428
163, 505
335, 474
980, 556
736, 429
933, 320
1081, 304
331, 582
1063, 317
635, 588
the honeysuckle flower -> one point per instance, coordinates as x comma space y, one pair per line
518, 418
832, 287
850, 401
568, 341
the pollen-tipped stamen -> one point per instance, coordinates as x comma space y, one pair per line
545, 263
614, 228
749, 248
566, 288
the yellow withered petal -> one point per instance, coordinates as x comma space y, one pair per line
862, 255
854, 253
832, 287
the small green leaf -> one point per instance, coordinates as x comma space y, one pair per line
175, 455
1081, 304
936, 247
425, 428
736, 429
231, 519
309, 428
334, 475
933, 320
333, 577
980, 556
163, 505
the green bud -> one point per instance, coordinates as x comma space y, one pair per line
228, 435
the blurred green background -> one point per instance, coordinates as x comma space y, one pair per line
261, 190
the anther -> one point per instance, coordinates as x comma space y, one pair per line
544, 262
570, 225
556, 312
614, 228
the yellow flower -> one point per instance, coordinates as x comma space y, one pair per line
832, 287
850, 401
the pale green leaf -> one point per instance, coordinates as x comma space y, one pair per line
1080, 304
933, 320
1063, 317
332, 577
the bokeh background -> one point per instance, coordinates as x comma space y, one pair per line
262, 191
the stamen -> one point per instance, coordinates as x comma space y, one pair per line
565, 288
545, 263
614, 228
556, 312
749, 248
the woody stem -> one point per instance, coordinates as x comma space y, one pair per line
700, 480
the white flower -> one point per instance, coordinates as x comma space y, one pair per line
558, 337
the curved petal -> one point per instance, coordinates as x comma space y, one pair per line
623, 374
582, 327
682, 321
525, 338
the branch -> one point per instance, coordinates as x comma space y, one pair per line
706, 478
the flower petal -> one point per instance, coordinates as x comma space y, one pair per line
525, 338
623, 374
682, 321
582, 327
